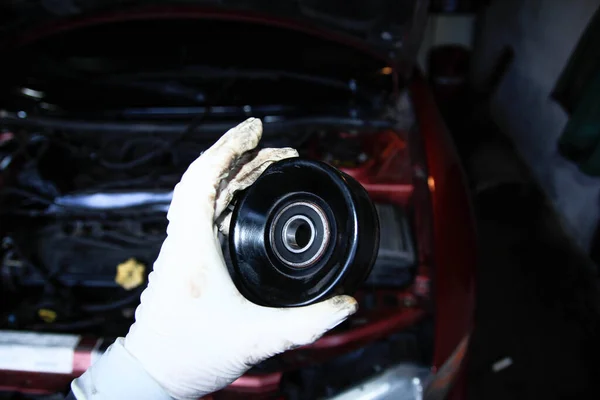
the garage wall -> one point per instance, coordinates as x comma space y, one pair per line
542, 33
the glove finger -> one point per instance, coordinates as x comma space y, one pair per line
194, 196
247, 175
224, 223
303, 325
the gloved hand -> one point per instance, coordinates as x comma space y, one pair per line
194, 332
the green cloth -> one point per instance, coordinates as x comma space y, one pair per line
580, 141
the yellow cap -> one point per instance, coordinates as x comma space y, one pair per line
47, 315
130, 274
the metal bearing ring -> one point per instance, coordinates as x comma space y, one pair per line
299, 234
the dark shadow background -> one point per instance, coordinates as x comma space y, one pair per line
537, 292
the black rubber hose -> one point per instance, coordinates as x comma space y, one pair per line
69, 326
125, 301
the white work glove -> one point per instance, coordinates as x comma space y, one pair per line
194, 332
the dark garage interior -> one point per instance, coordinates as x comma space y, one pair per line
463, 136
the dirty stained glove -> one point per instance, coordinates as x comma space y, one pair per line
194, 332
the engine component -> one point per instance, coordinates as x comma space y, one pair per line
403, 382
88, 253
397, 258
303, 231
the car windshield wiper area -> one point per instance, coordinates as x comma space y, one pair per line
272, 125
189, 112
204, 73
181, 94
169, 88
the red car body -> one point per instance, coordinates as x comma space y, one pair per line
433, 181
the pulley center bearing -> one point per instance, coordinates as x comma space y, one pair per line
304, 231
299, 234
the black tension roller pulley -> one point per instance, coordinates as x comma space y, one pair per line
303, 232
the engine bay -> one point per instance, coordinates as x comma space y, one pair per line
80, 237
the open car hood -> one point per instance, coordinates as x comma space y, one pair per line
392, 28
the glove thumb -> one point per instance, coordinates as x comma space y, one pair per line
303, 325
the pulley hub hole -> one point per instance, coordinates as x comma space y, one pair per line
298, 234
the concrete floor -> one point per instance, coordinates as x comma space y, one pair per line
537, 305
